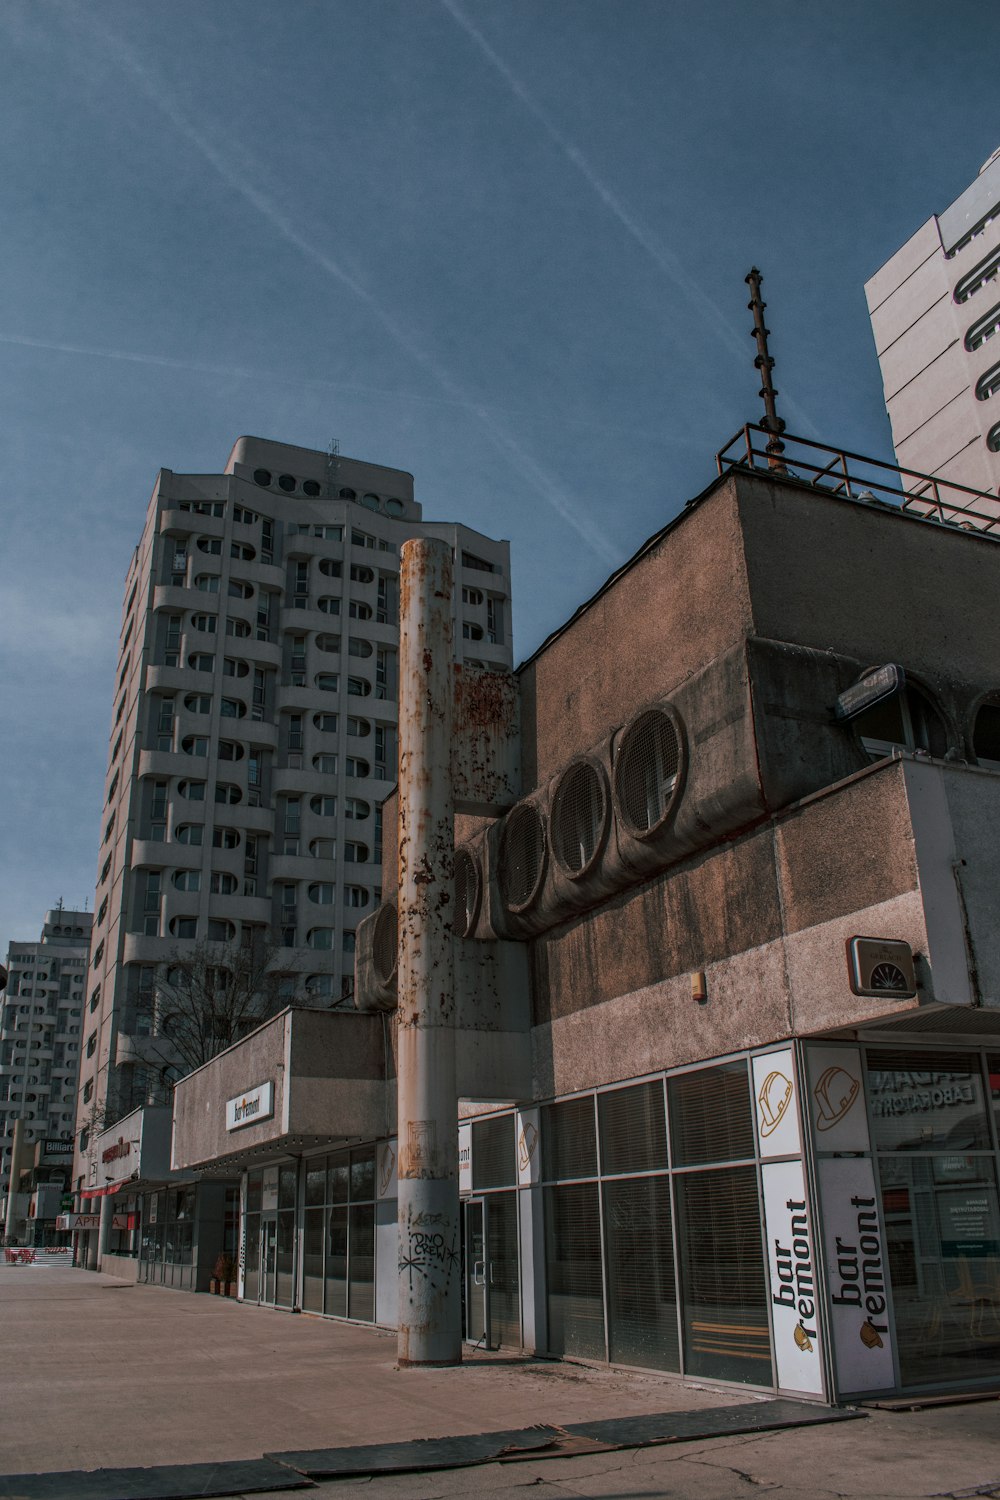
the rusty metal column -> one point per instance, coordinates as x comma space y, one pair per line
430, 1309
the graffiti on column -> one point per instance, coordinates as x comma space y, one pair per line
429, 1248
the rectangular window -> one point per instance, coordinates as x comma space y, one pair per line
710, 1115
642, 1296
723, 1280
569, 1143
574, 1286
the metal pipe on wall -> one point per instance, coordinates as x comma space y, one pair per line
430, 1310
14, 1179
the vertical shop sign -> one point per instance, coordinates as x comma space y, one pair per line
857, 1274
791, 1256
241, 1259
775, 1104
836, 1099
795, 1291
529, 1157
465, 1158
387, 1168
269, 1190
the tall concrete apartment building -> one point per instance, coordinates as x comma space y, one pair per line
253, 739
40, 1035
935, 311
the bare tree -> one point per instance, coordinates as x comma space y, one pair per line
205, 998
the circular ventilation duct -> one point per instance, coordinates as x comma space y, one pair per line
522, 856
578, 817
468, 892
647, 772
385, 944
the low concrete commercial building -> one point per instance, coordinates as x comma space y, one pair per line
728, 995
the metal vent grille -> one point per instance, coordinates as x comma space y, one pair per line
579, 812
647, 771
522, 856
468, 891
384, 943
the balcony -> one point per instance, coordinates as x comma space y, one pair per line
303, 780
299, 867
174, 597
167, 679
144, 1051
166, 763
179, 523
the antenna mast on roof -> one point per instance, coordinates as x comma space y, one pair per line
772, 423
332, 466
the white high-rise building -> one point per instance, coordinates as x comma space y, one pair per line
40, 1038
253, 736
935, 311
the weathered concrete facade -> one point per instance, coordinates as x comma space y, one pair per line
727, 985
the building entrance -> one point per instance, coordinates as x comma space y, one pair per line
268, 1260
492, 1282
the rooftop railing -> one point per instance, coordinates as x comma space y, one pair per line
840, 472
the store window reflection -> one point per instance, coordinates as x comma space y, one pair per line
933, 1135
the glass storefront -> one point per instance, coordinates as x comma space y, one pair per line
166, 1247
338, 1235
654, 1254
933, 1125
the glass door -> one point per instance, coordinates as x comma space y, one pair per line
492, 1283
268, 1258
503, 1287
476, 1301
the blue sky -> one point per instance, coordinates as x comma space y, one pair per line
499, 243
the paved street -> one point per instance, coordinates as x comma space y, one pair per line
98, 1374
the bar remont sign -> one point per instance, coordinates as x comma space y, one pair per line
249, 1107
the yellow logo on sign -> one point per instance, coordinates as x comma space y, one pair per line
834, 1093
774, 1098
388, 1162
527, 1144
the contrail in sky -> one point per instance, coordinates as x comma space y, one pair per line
665, 259
284, 377
589, 532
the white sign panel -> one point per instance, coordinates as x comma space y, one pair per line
791, 1259
269, 1190
857, 1275
775, 1104
387, 1170
78, 1221
465, 1158
246, 1109
529, 1156
837, 1099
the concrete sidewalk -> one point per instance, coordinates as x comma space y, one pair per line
97, 1374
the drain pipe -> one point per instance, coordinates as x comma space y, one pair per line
430, 1314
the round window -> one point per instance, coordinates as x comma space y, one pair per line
579, 817
286, 482
384, 943
262, 477
522, 856
310, 487
647, 772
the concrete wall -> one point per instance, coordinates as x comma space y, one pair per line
328, 1072
675, 610
766, 917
